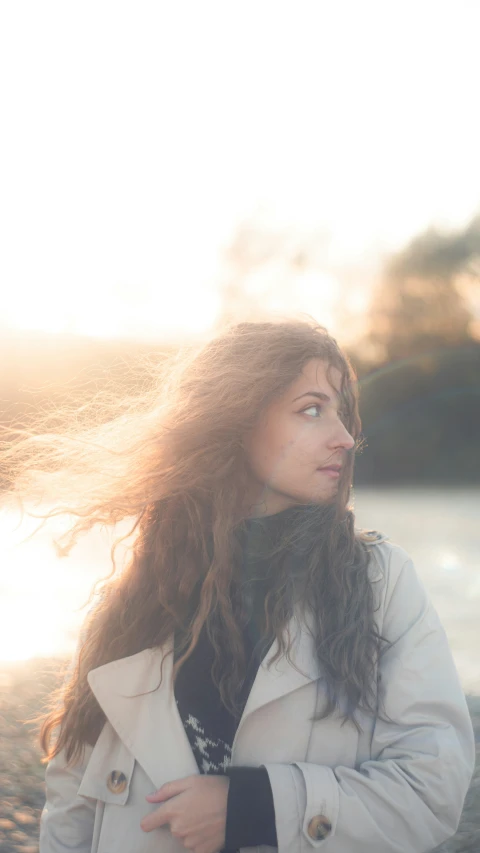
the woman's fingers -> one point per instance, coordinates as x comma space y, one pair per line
153, 821
170, 789
165, 794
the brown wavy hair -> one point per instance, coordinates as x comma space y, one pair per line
173, 462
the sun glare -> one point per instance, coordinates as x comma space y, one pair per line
43, 595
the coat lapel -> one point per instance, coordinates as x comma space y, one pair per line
276, 680
144, 713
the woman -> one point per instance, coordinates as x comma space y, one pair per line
260, 674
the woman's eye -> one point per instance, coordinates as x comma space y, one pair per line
316, 407
342, 414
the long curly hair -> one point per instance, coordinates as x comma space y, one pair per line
173, 462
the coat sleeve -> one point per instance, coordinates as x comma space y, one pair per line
409, 795
67, 820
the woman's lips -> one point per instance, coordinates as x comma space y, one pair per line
330, 472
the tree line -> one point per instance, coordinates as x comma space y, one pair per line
418, 361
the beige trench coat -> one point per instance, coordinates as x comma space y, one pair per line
394, 788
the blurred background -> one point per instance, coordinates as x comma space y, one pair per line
166, 166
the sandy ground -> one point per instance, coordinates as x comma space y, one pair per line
23, 687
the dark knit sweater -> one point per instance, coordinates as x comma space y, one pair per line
209, 726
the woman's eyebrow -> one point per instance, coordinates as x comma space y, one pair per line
319, 394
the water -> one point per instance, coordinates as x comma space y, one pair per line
440, 529
42, 595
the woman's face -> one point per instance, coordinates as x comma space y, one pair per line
297, 437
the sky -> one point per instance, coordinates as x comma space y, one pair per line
137, 136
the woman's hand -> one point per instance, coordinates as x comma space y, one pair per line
196, 810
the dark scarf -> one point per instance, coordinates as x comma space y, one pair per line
209, 725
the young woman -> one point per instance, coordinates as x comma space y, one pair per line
260, 675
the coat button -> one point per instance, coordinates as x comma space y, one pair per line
116, 782
319, 827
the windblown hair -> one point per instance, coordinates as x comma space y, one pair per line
175, 465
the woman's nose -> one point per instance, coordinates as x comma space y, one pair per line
341, 438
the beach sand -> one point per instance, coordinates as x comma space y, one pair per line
23, 688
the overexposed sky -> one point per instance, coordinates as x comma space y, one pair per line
136, 136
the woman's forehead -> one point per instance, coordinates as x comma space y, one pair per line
318, 375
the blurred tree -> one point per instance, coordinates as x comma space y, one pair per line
262, 266
420, 303
419, 365
250, 249
420, 418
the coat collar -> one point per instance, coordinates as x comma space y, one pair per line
141, 707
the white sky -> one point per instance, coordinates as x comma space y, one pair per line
135, 136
